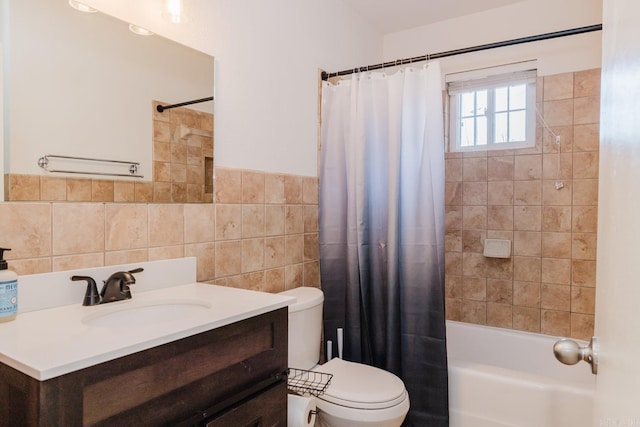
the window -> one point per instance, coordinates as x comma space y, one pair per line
494, 112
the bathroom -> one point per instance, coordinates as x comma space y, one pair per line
267, 65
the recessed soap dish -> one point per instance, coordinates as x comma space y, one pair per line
497, 248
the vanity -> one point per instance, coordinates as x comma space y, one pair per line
186, 355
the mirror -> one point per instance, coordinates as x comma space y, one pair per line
82, 84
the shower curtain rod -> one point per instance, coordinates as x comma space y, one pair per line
161, 108
539, 37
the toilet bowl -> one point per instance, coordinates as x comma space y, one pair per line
361, 395
358, 395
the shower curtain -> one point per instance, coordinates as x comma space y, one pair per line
382, 229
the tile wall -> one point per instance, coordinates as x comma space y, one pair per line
548, 285
262, 232
182, 148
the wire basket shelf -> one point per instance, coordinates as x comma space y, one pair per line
305, 382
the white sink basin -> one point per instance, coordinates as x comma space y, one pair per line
133, 313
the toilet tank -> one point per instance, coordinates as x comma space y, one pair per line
305, 327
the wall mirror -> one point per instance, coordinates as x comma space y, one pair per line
82, 84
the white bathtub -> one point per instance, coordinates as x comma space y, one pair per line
504, 378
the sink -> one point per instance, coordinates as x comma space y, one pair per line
132, 313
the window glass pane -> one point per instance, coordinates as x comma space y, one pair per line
481, 131
467, 104
467, 133
517, 126
481, 102
517, 97
492, 113
501, 129
502, 98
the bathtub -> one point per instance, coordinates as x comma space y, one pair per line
504, 378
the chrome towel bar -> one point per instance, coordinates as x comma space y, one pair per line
43, 162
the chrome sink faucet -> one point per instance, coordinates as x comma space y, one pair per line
116, 287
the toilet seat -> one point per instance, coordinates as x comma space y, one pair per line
359, 386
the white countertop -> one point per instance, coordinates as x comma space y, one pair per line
55, 341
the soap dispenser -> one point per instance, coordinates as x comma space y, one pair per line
8, 290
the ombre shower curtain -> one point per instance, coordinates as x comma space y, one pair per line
382, 229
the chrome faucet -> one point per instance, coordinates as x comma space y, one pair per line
116, 287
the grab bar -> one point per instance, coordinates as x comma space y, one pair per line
43, 162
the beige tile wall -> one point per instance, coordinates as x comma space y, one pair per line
262, 232
548, 285
182, 140
23, 188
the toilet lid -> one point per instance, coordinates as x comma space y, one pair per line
361, 386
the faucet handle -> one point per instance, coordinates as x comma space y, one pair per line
136, 270
91, 296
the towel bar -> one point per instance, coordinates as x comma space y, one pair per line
43, 162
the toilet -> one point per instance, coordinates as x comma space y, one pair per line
358, 395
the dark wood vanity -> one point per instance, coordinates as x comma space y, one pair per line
231, 376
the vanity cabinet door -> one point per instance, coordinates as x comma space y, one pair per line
263, 410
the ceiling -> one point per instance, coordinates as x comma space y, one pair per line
396, 15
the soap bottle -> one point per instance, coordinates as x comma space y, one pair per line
8, 290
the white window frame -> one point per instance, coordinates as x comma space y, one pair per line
492, 79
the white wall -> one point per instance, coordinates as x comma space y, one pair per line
79, 87
2, 137
526, 18
3, 36
267, 58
